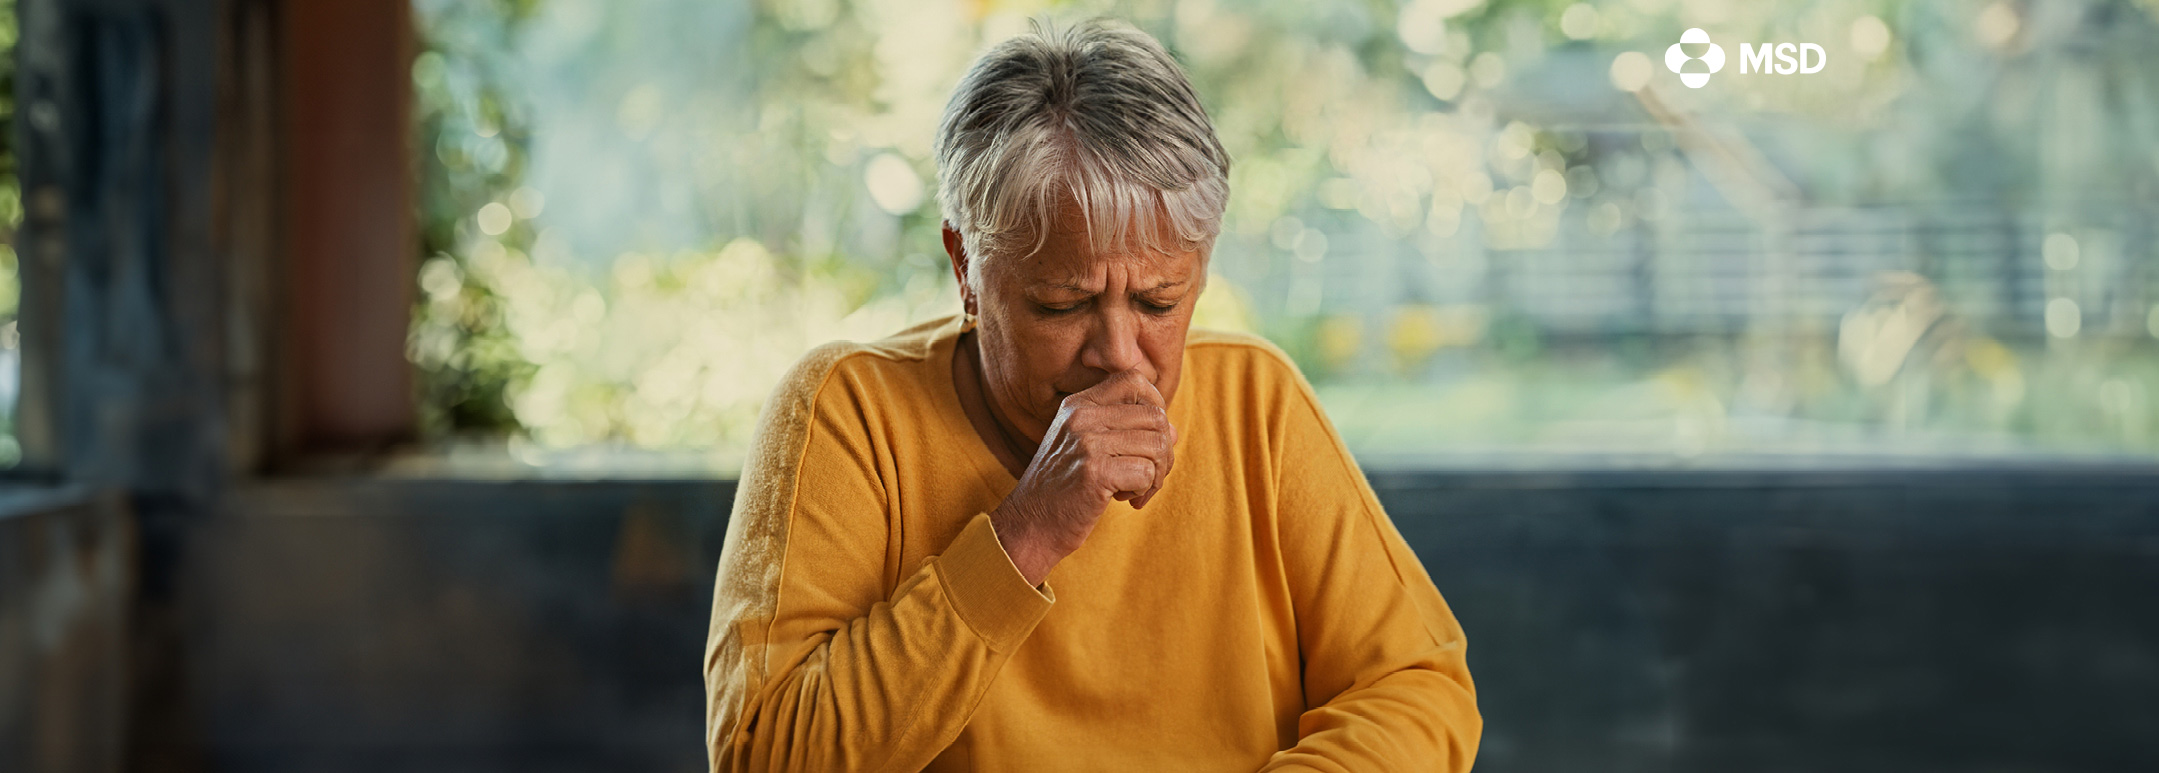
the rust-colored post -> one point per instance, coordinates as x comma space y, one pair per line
349, 230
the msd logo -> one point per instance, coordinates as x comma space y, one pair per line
1694, 58
1707, 63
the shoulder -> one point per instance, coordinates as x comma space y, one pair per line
888, 365
1246, 363
844, 391
1230, 343
1247, 382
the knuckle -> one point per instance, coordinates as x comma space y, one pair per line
1074, 413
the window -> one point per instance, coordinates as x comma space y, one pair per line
1488, 231
10, 220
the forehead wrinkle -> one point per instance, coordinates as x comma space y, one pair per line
1071, 286
1068, 263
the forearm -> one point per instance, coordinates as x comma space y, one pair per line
887, 690
1415, 719
1385, 661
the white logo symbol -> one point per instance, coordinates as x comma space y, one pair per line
1677, 59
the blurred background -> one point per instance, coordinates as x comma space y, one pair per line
1491, 232
376, 373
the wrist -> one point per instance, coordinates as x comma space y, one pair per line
1027, 553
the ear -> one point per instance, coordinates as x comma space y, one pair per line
956, 249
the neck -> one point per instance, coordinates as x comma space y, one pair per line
968, 379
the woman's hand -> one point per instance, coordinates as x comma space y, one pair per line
1112, 441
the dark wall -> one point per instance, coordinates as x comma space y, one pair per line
67, 575
1683, 621
453, 626
1980, 620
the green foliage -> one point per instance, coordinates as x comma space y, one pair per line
11, 214
688, 195
473, 145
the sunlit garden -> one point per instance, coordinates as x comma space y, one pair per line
1491, 233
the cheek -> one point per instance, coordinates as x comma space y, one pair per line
1030, 359
1163, 341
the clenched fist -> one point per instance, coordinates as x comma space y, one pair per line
1112, 441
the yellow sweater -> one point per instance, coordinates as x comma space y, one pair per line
1260, 613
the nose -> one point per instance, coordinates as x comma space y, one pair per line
1113, 344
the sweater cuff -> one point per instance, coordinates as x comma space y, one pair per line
987, 589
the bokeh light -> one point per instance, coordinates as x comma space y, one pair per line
1487, 230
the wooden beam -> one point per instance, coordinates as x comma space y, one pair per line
349, 232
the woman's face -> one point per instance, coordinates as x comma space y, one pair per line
1067, 317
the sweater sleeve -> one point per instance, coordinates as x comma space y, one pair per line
813, 662
1386, 681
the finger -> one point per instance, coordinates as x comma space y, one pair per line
1128, 386
1152, 445
1162, 466
1115, 418
1159, 448
1126, 477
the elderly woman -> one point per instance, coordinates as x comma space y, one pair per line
1064, 530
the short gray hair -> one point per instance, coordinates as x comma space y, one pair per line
1101, 113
